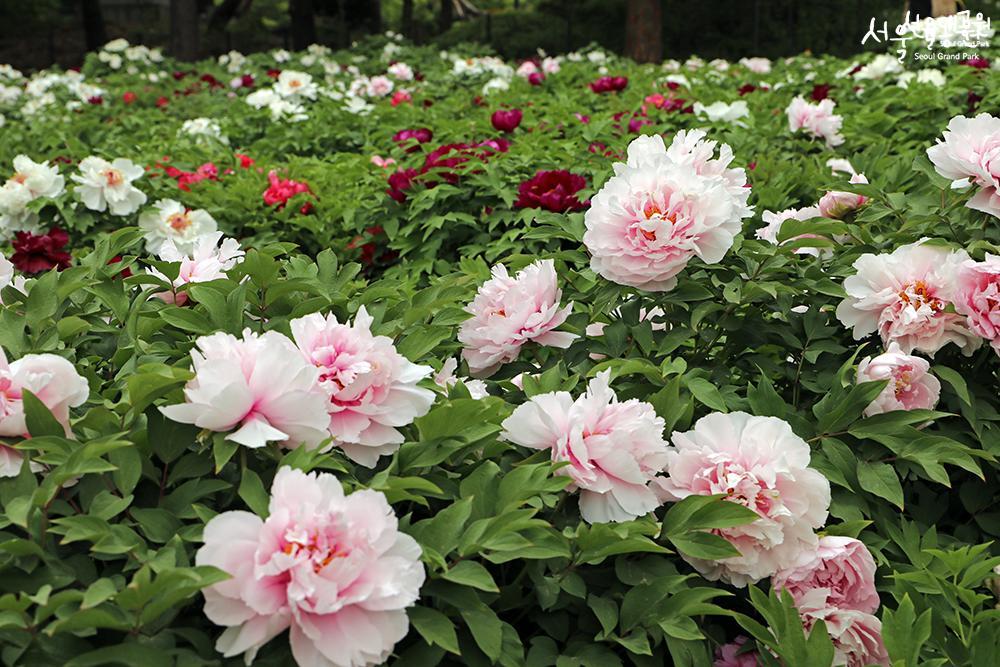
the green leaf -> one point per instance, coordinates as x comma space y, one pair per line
471, 573
252, 492
881, 480
706, 546
486, 628
39, 418
707, 393
434, 627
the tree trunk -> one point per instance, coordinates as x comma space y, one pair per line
184, 29
644, 31
93, 25
375, 16
303, 19
446, 15
407, 28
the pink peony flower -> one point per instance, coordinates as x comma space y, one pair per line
259, 383
842, 568
730, 655
904, 296
663, 207
817, 120
281, 190
446, 379
856, 635
382, 162
970, 152
614, 449
53, 380
911, 385
208, 260
371, 388
760, 463
509, 312
420, 135
838, 204
609, 84
775, 220
506, 120
333, 569
977, 296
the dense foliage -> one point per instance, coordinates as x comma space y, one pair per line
101, 522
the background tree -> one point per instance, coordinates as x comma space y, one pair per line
184, 29
303, 23
93, 24
644, 30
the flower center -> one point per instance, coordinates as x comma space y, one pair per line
903, 382
113, 177
919, 294
179, 222
318, 549
294, 83
19, 178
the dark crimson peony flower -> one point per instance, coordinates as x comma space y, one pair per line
129, 97
553, 191
972, 100
978, 62
609, 84
211, 81
162, 101
36, 253
820, 92
746, 89
274, 73
506, 120
281, 190
536, 78
673, 85
96, 100
400, 182
246, 81
420, 134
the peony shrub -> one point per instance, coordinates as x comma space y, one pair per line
428, 358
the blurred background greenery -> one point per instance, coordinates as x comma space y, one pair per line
38, 33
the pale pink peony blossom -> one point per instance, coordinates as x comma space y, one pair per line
760, 463
911, 385
734, 655
663, 207
970, 154
904, 296
614, 448
371, 388
774, 220
842, 568
53, 380
856, 635
509, 312
837, 204
817, 120
977, 296
333, 569
259, 383
446, 379
208, 260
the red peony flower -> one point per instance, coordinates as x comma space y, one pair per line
399, 182
162, 101
978, 62
421, 135
96, 100
274, 73
746, 89
506, 120
536, 78
553, 191
246, 81
820, 92
401, 97
972, 100
245, 160
609, 84
36, 253
282, 189
129, 97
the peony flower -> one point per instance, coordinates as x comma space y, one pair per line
8, 279
172, 221
757, 65
760, 463
838, 204
817, 120
733, 654
509, 312
614, 449
30, 181
379, 86
506, 120
401, 71
840, 165
609, 84
280, 190
977, 296
663, 207
107, 186
730, 113
970, 152
904, 296
553, 191
371, 388
446, 379
53, 380
775, 220
856, 635
296, 85
259, 383
399, 182
911, 385
203, 128
36, 253
842, 568
208, 260
332, 568
420, 135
